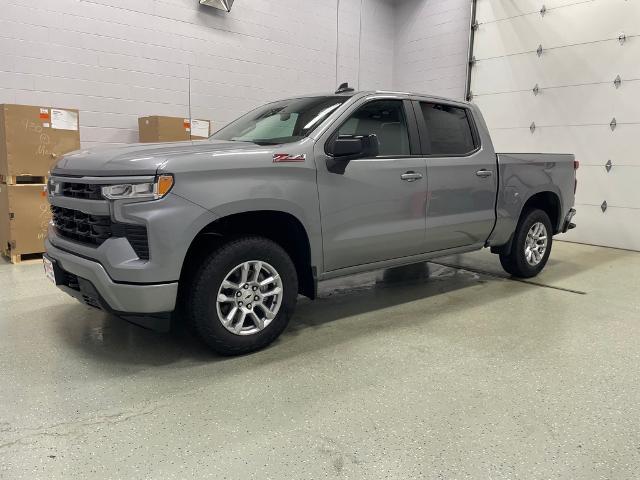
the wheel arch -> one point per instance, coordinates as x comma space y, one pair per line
283, 227
546, 200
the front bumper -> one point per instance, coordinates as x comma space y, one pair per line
149, 304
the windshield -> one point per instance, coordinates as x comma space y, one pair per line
285, 121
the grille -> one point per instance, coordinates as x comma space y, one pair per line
85, 191
81, 227
95, 229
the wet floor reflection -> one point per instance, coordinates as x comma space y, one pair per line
114, 340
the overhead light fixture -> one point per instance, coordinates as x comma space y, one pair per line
220, 4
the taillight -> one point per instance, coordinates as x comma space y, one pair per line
576, 166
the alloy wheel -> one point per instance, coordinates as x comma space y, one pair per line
249, 297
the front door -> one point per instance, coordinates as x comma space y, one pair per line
375, 210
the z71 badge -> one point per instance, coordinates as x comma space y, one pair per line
285, 157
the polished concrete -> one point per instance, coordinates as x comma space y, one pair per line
447, 370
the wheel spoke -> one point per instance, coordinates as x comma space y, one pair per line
269, 280
244, 273
224, 299
228, 284
257, 268
228, 320
272, 292
238, 326
257, 321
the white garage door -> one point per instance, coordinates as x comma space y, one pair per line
585, 46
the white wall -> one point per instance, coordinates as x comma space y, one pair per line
374, 71
116, 60
431, 46
581, 58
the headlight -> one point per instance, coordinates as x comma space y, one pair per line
151, 190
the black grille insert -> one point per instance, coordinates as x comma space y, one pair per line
85, 191
95, 229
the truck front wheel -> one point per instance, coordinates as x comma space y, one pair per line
243, 295
531, 245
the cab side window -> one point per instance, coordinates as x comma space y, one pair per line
386, 120
448, 128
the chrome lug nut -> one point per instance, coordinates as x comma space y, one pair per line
249, 306
255, 288
256, 298
239, 293
240, 304
246, 285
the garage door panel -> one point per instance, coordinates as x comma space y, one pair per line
592, 145
619, 186
490, 11
617, 227
558, 28
587, 104
576, 100
578, 64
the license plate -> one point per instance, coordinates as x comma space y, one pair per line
48, 269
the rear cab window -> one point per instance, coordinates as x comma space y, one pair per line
449, 130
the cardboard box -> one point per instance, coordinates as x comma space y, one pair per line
172, 129
24, 218
32, 138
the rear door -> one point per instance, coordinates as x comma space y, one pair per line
375, 209
462, 176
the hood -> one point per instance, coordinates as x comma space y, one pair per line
136, 159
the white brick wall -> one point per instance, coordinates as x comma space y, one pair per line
116, 60
431, 46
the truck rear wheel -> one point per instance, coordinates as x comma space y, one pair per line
243, 295
531, 245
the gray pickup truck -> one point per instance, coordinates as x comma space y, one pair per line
233, 228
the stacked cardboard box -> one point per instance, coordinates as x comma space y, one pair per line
172, 129
31, 140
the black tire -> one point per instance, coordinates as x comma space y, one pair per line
207, 280
515, 262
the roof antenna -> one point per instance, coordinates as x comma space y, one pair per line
344, 87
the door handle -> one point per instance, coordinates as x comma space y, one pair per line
484, 173
411, 176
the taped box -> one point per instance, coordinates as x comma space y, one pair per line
172, 129
32, 138
24, 218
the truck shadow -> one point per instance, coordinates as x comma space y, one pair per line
115, 341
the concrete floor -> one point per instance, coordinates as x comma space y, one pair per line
421, 372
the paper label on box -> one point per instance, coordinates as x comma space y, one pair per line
45, 125
64, 119
199, 128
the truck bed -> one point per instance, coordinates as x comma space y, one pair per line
522, 175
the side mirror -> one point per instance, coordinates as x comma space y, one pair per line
345, 148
